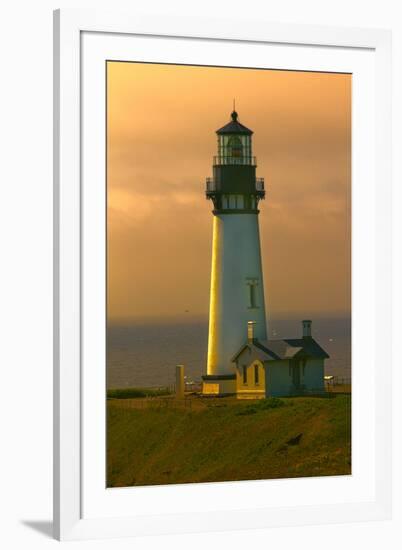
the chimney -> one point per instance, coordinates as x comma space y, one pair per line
306, 328
250, 331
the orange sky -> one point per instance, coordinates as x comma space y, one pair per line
161, 140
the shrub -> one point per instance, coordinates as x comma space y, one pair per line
246, 411
271, 403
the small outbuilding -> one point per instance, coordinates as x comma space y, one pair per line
274, 368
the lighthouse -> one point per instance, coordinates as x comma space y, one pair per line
237, 288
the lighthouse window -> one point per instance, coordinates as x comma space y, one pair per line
252, 293
235, 147
244, 374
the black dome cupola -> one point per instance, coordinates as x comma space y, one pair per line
234, 127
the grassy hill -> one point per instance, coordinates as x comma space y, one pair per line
226, 440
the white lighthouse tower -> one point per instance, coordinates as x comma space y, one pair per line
237, 289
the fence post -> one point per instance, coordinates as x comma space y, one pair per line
179, 381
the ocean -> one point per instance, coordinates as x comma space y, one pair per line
145, 353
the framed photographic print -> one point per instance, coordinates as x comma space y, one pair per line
222, 275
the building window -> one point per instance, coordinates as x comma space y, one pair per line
244, 374
256, 375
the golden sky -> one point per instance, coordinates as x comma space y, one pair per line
161, 139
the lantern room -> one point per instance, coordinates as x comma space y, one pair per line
234, 186
234, 143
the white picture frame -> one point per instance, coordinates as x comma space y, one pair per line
83, 507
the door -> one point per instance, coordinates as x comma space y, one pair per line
296, 374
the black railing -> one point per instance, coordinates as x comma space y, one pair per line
259, 184
222, 160
212, 185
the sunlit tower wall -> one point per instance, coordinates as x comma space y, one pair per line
237, 289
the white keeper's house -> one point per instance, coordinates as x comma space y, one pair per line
241, 360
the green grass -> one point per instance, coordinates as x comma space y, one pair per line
261, 405
271, 438
130, 393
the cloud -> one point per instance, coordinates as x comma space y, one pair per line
161, 140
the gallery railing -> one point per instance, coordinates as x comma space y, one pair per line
223, 160
213, 185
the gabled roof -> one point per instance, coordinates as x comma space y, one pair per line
259, 352
310, 347
288, 348
234, 127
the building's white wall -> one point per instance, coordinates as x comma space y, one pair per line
278, 378
250, 388
236, 257
210, 388
313, 378
227, 386
219, 387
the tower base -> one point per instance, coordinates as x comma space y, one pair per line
219, 385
